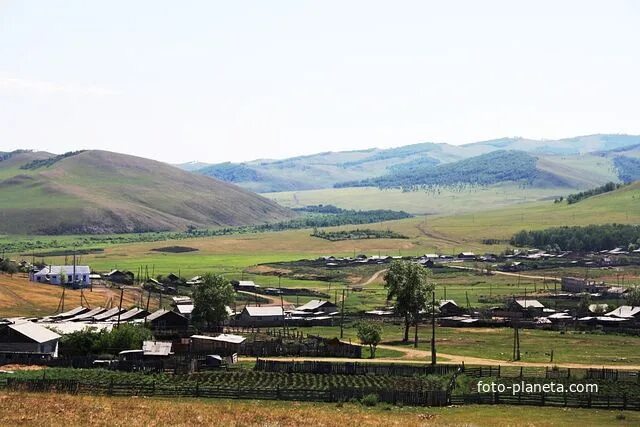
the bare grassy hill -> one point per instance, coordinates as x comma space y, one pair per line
105, 192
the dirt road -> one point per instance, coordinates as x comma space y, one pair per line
373, 278
271, 300
413, 355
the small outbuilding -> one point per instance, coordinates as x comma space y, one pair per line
28, 337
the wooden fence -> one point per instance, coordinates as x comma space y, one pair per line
411, 398
353, 368
570, 400
621, 375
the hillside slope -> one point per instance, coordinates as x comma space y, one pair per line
492, 168
104, 192
325, 170
621, 206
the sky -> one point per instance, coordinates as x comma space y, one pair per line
218, 81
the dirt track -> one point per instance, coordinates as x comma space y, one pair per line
373, 278
412, 355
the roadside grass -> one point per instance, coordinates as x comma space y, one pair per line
35, 409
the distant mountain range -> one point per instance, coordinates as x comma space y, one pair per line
103, 192
578, 162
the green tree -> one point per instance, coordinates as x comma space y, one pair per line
408, 284
369, 333
9, 267
124, 337
90, 341
583, 305
633, 297
211, 299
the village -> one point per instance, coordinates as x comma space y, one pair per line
265, 324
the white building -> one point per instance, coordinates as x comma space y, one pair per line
57, 274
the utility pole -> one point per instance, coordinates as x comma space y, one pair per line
342, 317
516, 341
120, 306
433, 328
284, 322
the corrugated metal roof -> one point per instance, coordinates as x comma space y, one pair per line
107, 314
264, 311
313, 305
71, 313
87, 315
160, 313
529, 303
134, 313
625, 312
228, 338
35, 332
156, 348
184, 308
68, 269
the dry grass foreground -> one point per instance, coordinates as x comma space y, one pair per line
68, 410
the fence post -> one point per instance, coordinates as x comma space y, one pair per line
110, 391
624, 401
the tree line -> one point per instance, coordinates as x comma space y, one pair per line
576, 197
357, 234
577, 238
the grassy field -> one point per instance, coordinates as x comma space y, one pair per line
621, 206
446, 201
29, 409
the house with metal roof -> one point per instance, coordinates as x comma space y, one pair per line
57, 274
167, 319
261, 316
28, 337
318, 306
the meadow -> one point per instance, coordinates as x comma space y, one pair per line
443, 201
18, 409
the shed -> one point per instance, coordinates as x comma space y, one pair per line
449, 308
224, 344
28, 337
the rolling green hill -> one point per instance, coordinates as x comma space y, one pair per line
104, 192
576, 163
621, 206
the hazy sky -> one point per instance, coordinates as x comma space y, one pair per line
230, 80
